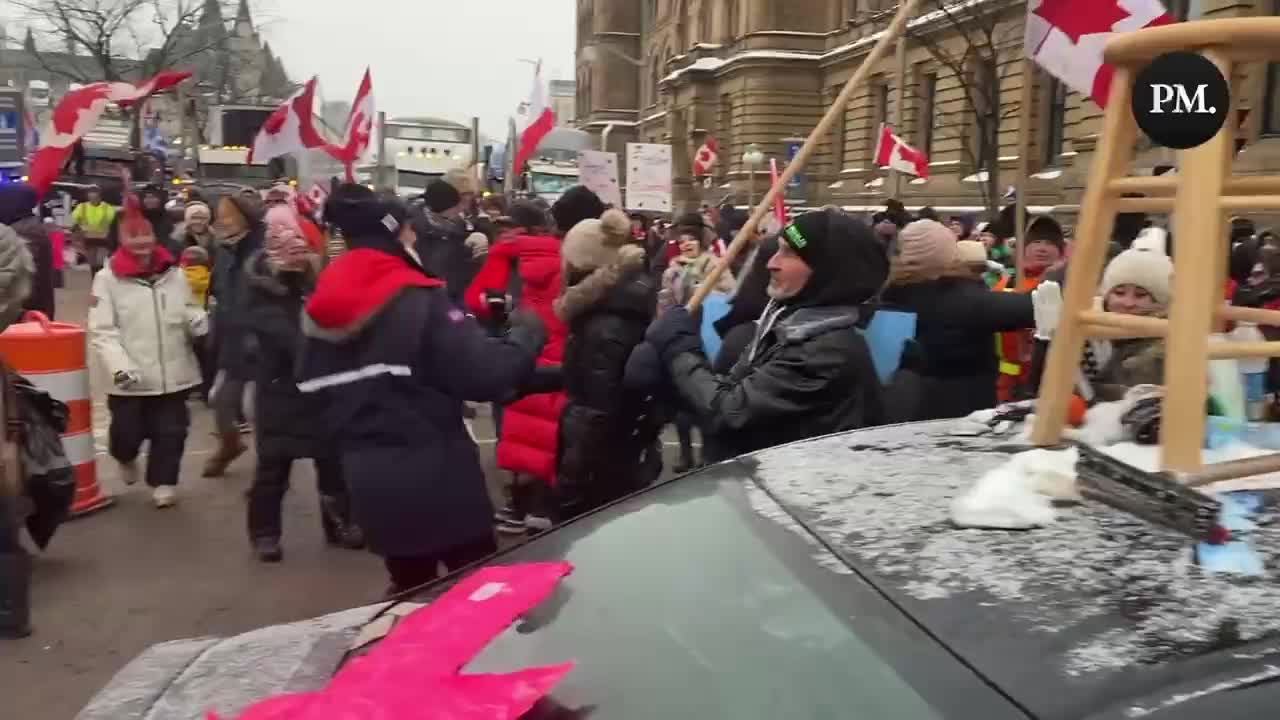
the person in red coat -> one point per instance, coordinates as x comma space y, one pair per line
529, 256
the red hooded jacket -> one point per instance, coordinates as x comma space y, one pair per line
528, 441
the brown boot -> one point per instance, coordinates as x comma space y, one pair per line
232, 447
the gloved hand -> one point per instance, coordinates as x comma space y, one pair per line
198, 326
674, 332
126, 379
478, 244
527, 331
1046, 301
645, 371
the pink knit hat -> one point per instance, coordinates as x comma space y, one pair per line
927, 249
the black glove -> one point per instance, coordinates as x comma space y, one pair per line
499, 306
674, 333
645, 372
527, 331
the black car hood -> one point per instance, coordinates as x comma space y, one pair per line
1096, 615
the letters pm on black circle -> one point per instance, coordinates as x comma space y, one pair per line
1181, 100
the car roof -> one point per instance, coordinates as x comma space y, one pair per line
1098, 614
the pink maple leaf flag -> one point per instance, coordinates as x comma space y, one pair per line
290, 128
538, 120
415, 672
78, 112
359, 133
894, 153
706, 158
1067, 37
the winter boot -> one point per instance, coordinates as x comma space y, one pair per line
268, 549
510, 517
15, 595
232, 447
339, 529
541, 511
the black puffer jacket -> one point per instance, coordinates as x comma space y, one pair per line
442, 245
228, 288
37, 237
286, 419
956, 322
608, 436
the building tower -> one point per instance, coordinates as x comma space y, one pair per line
608, 82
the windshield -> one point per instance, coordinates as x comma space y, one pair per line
412, 132
248, 174
547, 184
415, 180
696, 605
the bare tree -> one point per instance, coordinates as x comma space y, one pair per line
975, 44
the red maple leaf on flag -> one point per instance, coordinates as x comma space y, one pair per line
67, 113
1076, 18
275, 121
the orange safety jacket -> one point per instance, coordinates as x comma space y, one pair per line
1013, 349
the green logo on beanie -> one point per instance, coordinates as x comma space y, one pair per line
795, 237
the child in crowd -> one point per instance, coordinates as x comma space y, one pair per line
685, 272
195, 265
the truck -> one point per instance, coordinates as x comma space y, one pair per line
553, 167
13, 150
228, 136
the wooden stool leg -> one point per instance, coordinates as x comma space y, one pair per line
1196, 279
1093, 238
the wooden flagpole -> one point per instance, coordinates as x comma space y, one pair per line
889, 36
1025, 114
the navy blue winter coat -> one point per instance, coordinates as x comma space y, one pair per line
397, 359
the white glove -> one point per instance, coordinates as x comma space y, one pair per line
199, 324
126, 379
1046, 300
478, 243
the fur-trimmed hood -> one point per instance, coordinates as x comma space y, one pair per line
259, 276
606, 285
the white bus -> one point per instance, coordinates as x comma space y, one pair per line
422, 149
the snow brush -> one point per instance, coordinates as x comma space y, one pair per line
1167, 499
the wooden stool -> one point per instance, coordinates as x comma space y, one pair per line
1203, 190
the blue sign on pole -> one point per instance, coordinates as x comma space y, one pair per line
793, 149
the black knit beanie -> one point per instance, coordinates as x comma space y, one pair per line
578, 203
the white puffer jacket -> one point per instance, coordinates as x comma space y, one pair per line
146, 328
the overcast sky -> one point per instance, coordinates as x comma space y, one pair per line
449, 58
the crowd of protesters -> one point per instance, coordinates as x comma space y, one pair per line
570, 321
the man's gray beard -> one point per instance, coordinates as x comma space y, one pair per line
779, 295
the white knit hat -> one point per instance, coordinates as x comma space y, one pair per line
594, 243
971, 252
1144, 264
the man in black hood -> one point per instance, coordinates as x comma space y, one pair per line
807, 371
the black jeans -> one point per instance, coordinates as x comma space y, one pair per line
162, 419
410, 572
270, 483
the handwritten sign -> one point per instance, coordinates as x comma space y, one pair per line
649, 177
599, 172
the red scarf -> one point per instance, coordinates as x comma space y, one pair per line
125, 264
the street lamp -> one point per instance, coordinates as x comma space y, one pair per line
752, 158
591, 53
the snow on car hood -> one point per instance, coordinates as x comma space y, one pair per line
1095, 593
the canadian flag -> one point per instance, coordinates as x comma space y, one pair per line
77, 113
1066, 37
538, 120
290, 128
706, 158
359, 132
892, 152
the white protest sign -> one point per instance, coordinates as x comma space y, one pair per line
649, 177
598, 171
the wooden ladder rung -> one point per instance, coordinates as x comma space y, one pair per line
1250, 202
1168, 185
1229, 350
1259, 316
1144, 204
1118, 326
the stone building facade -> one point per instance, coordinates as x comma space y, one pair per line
762, 72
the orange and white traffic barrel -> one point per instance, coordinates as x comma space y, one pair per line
53, 356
